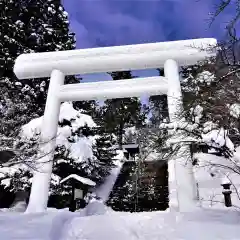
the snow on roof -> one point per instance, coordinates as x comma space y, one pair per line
83, 180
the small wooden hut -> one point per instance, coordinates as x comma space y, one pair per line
80, 187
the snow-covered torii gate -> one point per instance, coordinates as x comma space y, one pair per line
57, 65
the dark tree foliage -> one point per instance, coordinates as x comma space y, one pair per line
28, 26
122, 112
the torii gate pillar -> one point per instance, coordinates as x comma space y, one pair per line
42, 177
180, 166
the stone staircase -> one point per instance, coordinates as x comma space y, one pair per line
140, 187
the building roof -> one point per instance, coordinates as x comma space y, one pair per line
83, 180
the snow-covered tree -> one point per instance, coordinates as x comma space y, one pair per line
28, 26
213, 89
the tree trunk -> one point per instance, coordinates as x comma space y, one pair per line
120, 135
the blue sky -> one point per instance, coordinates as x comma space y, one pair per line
120, 22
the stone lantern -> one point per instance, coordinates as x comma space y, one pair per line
227, 194
226, 184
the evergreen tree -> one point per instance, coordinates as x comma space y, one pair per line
158, 107
103, 151
122, 112
28, 26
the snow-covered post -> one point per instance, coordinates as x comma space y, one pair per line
182, 186
42, 175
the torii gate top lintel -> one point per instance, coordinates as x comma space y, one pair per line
117, 58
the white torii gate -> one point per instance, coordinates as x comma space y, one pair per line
57, 65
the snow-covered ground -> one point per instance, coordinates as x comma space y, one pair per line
207, 225
103, 225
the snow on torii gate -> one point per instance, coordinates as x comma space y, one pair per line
57, 65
